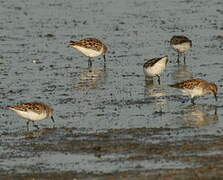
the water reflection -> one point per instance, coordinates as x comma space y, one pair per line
91, 77
200, 115
182, 72
156, 92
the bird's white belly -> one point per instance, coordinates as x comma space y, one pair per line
182, 47
89, 52
32, 115
156, 69
193, 92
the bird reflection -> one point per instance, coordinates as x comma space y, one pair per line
200, 115
90, 77
156, 92
182, 72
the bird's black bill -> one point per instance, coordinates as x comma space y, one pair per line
70, 43
36, 126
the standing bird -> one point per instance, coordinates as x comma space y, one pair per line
196, 87
33, 111
154, 67
181, 44
90, 47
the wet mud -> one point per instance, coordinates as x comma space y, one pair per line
136, 153
110, 123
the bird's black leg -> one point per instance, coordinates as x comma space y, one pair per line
184, 59
192, 100
178, 57
158, 78
104, 61
104, 67
104, 58
52, 119
89, 63
215, 111
27, 125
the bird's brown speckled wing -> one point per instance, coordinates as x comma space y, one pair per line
188, 84
90, 43
32, 106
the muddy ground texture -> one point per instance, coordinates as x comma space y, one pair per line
197, 152
109, 122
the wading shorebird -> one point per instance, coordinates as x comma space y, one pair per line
181, 44
33, 111
154, 67
196, 87
90, 47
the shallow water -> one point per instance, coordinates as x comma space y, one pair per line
108, 119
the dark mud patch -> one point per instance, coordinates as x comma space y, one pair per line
194, 158
133, 148
202, 173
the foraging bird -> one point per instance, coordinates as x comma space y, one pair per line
196, 87
154, 67
33, 111
90, 47
181, 44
